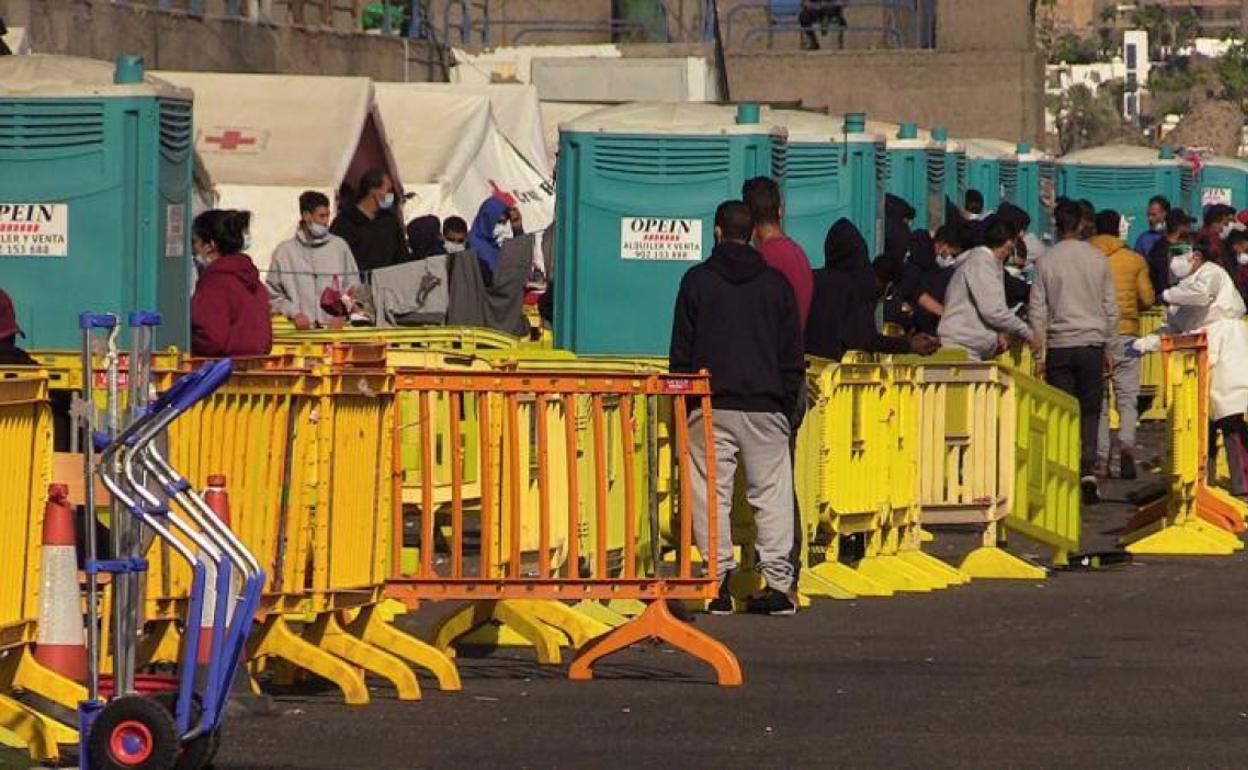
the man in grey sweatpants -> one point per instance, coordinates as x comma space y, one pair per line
738, 319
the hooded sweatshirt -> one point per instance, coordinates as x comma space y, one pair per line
737, 318
897, 214
1131, 282
842, 312
303, 268
230, 310
481, 234
975, 309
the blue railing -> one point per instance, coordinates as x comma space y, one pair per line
782, 16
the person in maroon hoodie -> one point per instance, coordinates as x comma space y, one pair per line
230, 306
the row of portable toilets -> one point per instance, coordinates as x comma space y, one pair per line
97, 184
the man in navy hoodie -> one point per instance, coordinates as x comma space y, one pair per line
738, 319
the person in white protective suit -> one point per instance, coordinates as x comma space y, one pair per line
1205, 299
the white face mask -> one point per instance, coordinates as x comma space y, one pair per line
387, 202
247, 242
1242, 258
1181, 267
454, 248
1229, 228
317, 230
1160, 227
945, 260
502, 232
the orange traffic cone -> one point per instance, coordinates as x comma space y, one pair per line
61, 643
219, 501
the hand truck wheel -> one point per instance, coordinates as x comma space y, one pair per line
200, 751
133, 733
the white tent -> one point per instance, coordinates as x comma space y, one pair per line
556, 113
452, 153
267, 138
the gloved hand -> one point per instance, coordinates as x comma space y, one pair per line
1148, 344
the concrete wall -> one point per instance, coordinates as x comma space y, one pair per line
100, 30
996, 94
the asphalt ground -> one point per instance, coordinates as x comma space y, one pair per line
1138, 666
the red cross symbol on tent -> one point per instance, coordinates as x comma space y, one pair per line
230, 140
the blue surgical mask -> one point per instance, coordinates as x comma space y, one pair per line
388, 201
318, 230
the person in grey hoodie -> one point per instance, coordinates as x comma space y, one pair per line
312, 273
976, 318
1074, 316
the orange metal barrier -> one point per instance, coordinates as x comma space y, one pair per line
512, 558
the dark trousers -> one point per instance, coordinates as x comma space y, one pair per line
825, 16
1081, 373
1235, 440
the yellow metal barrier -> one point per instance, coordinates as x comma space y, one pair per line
1152, 376
308, 457
25, 469
447, 338
857, 481
1043, 442
1193, 518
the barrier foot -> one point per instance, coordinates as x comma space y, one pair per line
849, 580
327, 633
1220, 509
392, 608
896, 574
811, 584
161, 643
926, 537
275, 639
1191, 538
544, 639
995, 563
20, 671
600, 612
21, 727
657, 622
580, 629
629, 608
934, 566
370, 625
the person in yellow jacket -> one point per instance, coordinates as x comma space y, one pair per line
1135, 293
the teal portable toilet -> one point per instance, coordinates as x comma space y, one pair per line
957, 167
1032, 187
916, 172
1123, 178
95, 195
1223, 180
833, 169
990, 166
635, 209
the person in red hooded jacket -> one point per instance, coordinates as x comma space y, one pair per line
230, 306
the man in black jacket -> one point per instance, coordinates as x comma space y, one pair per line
370, 226
737, 318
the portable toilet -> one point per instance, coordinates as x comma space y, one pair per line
834, 168
990, 164
95, 195
635, 209
1032, 187
957, 167
1123, 178
916, 173
1223, 180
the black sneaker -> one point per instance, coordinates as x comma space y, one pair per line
771, 602
1091, 494
722, 603
1126, 467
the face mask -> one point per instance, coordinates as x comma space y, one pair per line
945, 260
247, 242
387, 201
1242, 258
454, 248
318, 230
502, 232
1160, 227
1181, 267
200, 262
